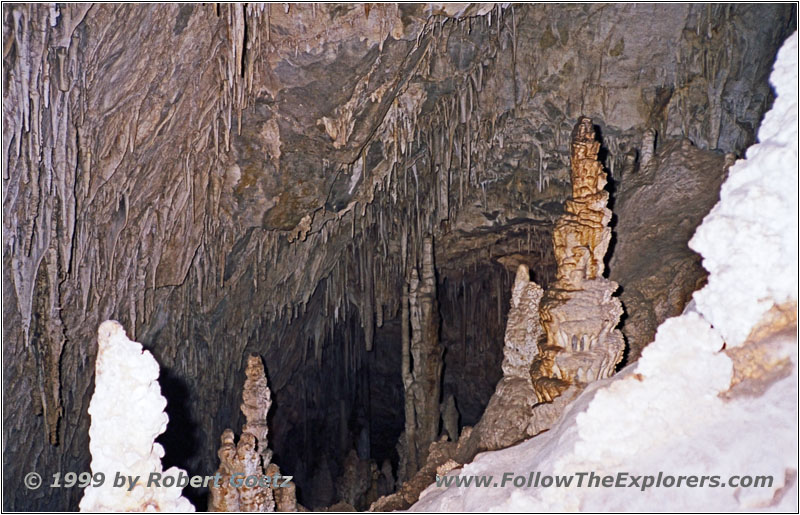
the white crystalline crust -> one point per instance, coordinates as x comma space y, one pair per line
664, 413
127, 412
749, 240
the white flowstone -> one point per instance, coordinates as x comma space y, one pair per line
749, 240
127, 412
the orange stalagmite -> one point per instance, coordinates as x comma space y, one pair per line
558, 341
579, 313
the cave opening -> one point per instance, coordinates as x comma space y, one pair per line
358, 195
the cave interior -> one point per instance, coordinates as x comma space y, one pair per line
227, 180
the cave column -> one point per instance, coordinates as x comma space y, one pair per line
422, 360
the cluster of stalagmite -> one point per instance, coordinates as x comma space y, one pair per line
579, 313
555, 342
559, 341
743, 398
251, 457
127, 412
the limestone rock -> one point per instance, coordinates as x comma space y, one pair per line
222, 495
284, 492
523, 328
508, 414
157, 158
657, 211
742, 390
507, 417
248, 464
438, 454
450, 418
422, 361
759, 262
354, 481
256, 401
252, 456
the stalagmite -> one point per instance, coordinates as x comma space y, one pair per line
578, 312
127, 412
648, 147
699, 398
252, 456
203, 206
225, 497
355, 480
256, 401
247, 463
450, 418
507, 418
407, 454
558, 342
285, 494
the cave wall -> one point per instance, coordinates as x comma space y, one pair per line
227, 179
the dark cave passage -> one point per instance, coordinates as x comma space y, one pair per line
349, 401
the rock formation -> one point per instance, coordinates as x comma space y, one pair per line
578, 312
440, 460
449, 413
507, 419
557, 342
522, 330
740, 383
225, 497
127, 412
256, 401
355, 480
657, 210
285, 494
252, 456
238, 176
422, 363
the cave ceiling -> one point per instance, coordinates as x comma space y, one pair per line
208, 174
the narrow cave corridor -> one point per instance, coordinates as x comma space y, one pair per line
382, 203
